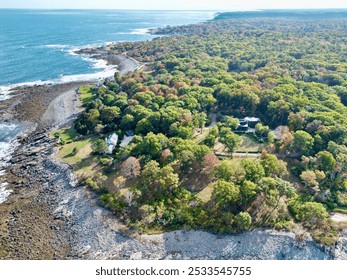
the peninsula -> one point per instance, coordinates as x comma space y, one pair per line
206, 140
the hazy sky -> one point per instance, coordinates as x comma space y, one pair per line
172, 5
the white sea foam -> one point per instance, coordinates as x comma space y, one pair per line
141, 31
107, 71
5, 91
138, 31
8, 143
8, 133
57, 46
4, 193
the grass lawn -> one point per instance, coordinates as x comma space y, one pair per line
250, 145
83, 162
247, 145
67, 135
86, 94
87, 165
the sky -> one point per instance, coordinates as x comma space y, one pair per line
172, 5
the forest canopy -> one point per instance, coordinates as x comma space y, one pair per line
184, 167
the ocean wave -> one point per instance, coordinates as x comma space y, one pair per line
97, 63
8, 143
4, 193
107, 71
137, 31
58, 13
6, 149
5, 91
57, 46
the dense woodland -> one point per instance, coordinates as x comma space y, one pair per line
188, 98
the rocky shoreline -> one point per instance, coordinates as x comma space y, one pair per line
49, 216
55, 218
124, 63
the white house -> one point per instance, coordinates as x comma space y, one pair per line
111, 142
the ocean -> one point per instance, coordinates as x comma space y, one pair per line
37, 46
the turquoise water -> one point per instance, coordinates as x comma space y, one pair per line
36, 45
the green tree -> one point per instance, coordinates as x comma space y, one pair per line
152, 144
92, 118
243, 221
325, 161
231, 122
309, 178
249, 191
211, 138
157, 183
273, 166
117, 77
303, 142
127, 122
261, 130
100, 147
110, 114
254, 171
231, 141
225, 194
228, 171
312, 214
143, 127
200, 120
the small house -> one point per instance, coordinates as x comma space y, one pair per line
247, 124
111, 142
252, 121
243, 126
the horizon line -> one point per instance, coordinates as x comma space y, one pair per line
221, 10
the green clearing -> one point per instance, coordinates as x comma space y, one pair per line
66, 135
86, 94
249, 145
83, 162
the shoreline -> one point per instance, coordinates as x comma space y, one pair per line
39, 108
98, 54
